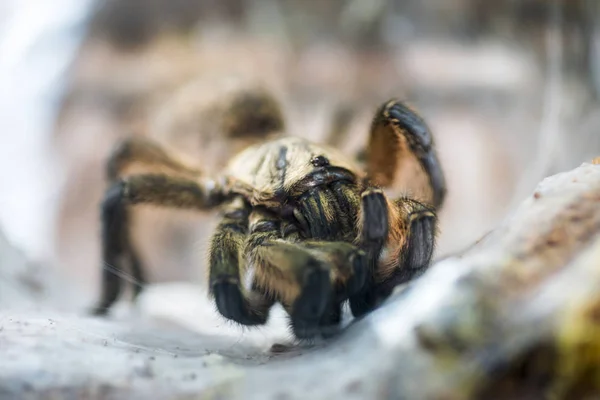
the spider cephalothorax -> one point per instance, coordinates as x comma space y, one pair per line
302, 223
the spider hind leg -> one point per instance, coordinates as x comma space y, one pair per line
116, 250
175, 178
118, 253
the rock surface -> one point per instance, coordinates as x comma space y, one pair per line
26, 285
514, 316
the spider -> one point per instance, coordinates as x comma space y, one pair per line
303, 224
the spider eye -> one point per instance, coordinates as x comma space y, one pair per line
319, 161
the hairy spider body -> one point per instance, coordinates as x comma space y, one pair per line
302, 223
269, 173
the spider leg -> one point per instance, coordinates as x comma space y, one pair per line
149, 155
411, 244
327, 218
401, 154
246, 307
304, 277
373, 232
328, 214
349, 274
150, 189
137, 273
408, 246
348, 263
117, 249
253, 114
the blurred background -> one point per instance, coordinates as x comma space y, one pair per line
510, 89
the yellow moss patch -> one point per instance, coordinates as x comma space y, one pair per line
579, 347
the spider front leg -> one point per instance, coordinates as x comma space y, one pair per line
310, 279
349, 269
348, 262
150, 189
288, 273
373, 232
401, 154
399, 237
401, 157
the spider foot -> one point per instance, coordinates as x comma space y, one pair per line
363, 302
97, 311
310, 309
330, 321
418, 251
415, 131
358, 277
232, 305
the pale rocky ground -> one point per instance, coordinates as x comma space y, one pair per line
502, 320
